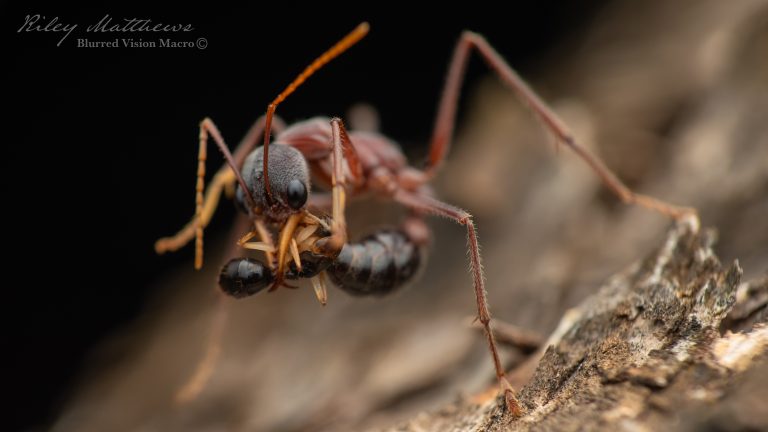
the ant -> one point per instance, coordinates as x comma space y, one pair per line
271, 184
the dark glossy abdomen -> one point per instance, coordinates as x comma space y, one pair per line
377, 265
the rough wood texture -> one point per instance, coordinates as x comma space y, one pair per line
644, 353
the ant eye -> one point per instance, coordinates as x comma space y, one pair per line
296, 194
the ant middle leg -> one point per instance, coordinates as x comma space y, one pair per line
446, 115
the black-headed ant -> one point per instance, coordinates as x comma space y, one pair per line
272, 184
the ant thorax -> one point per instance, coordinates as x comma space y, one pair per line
288, 181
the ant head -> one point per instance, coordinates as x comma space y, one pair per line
287, 186
288, 180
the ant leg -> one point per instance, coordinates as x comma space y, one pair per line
427, 204
444, 123
321, 291
342, 150
207, 363
198, 223
224, 179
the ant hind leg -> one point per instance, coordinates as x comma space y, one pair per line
446, 115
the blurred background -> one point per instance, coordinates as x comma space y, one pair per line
101, 162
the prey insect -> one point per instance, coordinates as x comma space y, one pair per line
271, 184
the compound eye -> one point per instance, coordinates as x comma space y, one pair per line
296, 194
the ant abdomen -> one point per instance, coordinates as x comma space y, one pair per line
243, 277
377, 265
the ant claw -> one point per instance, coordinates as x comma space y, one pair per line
510, 400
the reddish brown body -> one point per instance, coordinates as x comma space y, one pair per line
383, 165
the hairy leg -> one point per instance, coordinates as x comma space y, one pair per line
444, 124
427, 204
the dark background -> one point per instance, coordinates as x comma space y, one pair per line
100, 145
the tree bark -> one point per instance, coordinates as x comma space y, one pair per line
653, 349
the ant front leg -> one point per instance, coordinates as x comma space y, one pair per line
444, 124
341, 151
223, 180
426, 204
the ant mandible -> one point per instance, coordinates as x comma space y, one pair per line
272, 186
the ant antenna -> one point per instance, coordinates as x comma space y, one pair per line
352, 38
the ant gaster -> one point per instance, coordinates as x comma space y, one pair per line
273, 187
